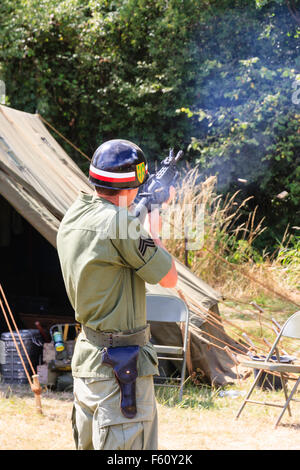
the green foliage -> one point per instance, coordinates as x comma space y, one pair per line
214, 77
289, 257
247, 113
291, 254
101, 69
241, 251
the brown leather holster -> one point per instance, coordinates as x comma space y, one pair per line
123, 360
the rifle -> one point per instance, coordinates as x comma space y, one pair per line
156, 189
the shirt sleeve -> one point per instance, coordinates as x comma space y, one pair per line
137, 249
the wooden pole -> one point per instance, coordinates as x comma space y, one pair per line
37, 390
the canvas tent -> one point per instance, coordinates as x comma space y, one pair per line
40, 181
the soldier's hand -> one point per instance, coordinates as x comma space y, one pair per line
153, 223
172, 193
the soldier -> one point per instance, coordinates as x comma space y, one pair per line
106, 257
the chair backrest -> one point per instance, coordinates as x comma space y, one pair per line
291, 328
166, 308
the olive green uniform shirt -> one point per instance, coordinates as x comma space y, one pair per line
106, 257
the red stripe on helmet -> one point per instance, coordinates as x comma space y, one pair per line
111, 179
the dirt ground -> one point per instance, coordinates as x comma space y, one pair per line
22, 428
213, 431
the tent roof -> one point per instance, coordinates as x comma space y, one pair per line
40, 180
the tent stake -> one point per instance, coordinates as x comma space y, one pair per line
37, 390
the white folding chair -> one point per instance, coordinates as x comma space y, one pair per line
167, 308
291, 329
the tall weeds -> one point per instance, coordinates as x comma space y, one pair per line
226, 257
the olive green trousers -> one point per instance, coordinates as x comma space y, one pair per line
98, 423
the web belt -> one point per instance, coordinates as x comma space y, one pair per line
139, 337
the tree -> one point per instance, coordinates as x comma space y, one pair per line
218, 78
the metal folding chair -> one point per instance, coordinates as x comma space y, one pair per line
291, 329
167, 308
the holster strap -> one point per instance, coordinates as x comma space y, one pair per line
100, 339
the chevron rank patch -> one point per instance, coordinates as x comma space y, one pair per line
144, 244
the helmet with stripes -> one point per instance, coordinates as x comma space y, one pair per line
118, 164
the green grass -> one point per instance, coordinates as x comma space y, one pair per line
194, 397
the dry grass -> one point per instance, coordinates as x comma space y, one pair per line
22, 428
204, 420
227, 259
209, 430
203, 427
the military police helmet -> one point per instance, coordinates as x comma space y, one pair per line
118, 164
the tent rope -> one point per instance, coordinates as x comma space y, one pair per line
212, 318
16, 328
63, 137
215, 322
251, 278
274, 329
16, 344
228, 348
248, 276
34, 383
235, 326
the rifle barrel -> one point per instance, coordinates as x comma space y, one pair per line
178, 156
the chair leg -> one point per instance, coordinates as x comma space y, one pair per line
249, 393
287, 402
283, 381
183, 372
182, 382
